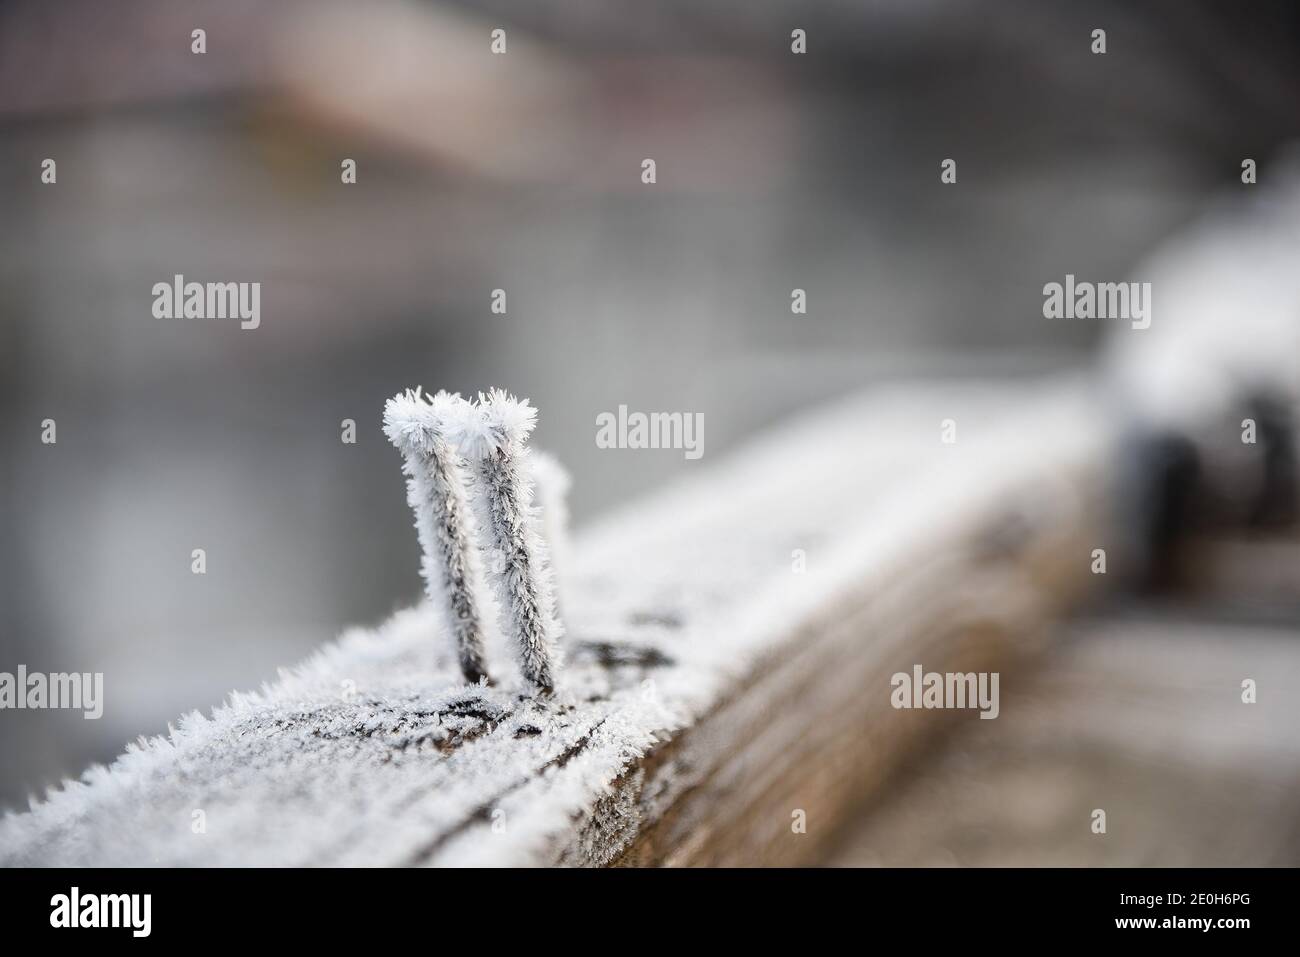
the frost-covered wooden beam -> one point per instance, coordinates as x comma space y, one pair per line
728, 652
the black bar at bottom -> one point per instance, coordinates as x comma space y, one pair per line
341, 907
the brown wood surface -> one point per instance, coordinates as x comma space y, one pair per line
1138, 714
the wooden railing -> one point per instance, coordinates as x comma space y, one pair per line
726, 696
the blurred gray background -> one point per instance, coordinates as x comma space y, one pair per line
521, 172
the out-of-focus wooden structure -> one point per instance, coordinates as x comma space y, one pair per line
1138, 713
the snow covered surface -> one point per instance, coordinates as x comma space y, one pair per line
1226, 319
375, 751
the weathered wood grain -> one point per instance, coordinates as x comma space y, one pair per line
710, 689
